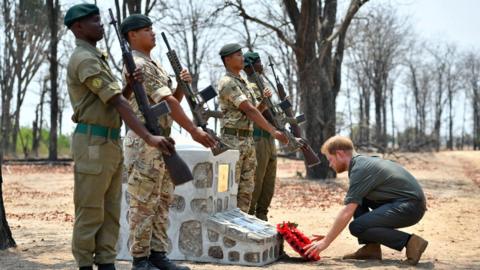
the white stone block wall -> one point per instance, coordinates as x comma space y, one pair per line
204, 221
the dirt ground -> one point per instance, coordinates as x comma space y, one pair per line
39, 208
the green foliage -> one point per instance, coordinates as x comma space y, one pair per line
25, 142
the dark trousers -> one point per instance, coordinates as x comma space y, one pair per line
379, 224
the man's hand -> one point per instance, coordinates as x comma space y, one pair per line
185, 76
267, 93
203, 138
165, 144
137, 76
280, 136
313, 249
304, 144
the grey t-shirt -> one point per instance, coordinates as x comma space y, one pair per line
380, 180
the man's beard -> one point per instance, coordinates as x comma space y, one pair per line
341, 167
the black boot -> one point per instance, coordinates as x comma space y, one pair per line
86, 268
106, 266
160, 260
142, 263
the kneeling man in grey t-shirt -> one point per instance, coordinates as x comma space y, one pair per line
382, 196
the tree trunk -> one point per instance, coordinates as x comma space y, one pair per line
378, 116
476, 120
7, 75
450, 120
318, 102
391, 112
53, 10
38, 122
367, 118
6, 239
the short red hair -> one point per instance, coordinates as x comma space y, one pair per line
335, 143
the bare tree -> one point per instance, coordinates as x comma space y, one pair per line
286, 66
443, 61
193, 26
362, 137
53, 9
418, 80
37, 124
472, 77
379, 41
7, 75
24, 51
453, 85
29, 49
318, 63
6, 239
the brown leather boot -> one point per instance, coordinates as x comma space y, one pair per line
367, 252
414, 249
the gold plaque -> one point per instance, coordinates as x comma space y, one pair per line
223, 172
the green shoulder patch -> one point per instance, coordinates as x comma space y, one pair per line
97, 82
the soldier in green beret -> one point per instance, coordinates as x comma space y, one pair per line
265, 149
98, 110
149, 184
238, 104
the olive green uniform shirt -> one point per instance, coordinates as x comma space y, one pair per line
157, 85
233, 90
252, 83
91, 85
380, 180
98, 160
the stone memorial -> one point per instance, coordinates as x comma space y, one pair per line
205, 224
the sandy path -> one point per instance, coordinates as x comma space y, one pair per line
40, 213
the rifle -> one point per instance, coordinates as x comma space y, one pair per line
176, 166
197, 105
280, 117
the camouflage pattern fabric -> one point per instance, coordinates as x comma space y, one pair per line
233, 90
150, 190
149, 185
157, 85
244, 169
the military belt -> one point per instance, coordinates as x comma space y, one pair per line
97, 130
237, 132
258, 132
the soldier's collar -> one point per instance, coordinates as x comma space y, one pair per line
141, 54
233, 75
88, 46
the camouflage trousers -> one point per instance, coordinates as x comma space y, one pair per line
265, 175
244, 169
150, 191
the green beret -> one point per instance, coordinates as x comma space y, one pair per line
134, 22
228, 49
78, 12
249, 58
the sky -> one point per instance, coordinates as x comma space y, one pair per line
454, 21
